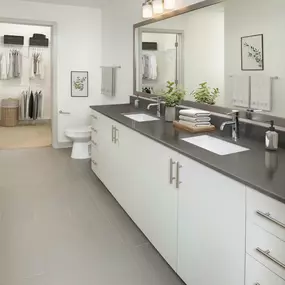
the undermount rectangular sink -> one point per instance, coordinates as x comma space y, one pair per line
215, 145
141, 117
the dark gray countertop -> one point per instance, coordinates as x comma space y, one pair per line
257, 168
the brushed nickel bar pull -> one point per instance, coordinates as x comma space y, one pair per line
178, 167
171, 177
116, 139
266, 253
268, 217
94, 130
94, 117
93, 161
113, 133
94, 143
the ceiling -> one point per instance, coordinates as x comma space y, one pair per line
86, 3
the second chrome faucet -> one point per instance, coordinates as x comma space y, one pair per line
234, 123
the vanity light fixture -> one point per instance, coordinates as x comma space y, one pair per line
147, 10
169, 4
157, 7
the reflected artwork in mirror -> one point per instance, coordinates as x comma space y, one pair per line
223, 53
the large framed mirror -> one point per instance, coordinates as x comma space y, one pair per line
230, 50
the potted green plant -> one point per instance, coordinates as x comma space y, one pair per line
173, 95
204, 94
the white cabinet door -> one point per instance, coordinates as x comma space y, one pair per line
106, 153
125, 164
153, 199
211, 226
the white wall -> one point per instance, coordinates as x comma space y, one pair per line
78, 39
13, 88
118, 20
250, 17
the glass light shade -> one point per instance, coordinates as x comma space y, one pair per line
157, 6
169, 4
147, 10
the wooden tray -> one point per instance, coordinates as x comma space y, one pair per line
190, 129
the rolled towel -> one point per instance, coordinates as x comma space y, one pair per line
195, 125
195, 120
194, 113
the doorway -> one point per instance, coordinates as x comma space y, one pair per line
25, 85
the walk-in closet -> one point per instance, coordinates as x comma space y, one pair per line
25, 86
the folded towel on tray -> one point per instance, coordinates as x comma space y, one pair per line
195, 125
194, 120
194, 113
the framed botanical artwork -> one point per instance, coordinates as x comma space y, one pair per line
79, 83
252, 54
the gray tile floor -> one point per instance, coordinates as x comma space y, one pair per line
60, 226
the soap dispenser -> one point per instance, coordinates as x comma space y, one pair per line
271, 138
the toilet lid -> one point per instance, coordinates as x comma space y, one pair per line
82, 129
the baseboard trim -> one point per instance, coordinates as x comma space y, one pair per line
62, 145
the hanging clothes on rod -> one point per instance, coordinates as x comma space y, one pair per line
11, 65
149, 66
37, 66
31, 105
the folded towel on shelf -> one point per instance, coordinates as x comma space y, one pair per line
194, 113
194, 120
195, 125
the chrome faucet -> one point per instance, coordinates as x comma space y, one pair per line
156, 104
234, 123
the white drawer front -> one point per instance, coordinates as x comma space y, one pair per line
266, 248
256, 274
266, 212
94, 143
95, 119
95, 161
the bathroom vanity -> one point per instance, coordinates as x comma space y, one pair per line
216, 219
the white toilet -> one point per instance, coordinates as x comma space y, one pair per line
81, 137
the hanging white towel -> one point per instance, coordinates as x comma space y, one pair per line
261, 92
3, 67
241, 89
41, 67
195, 120
194, 113
20, 58
32, 68
149, 66
11, 66
153, 68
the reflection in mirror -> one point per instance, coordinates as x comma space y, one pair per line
229, 54
200, 50
158, 60
159, 49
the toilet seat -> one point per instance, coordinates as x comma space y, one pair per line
79, 132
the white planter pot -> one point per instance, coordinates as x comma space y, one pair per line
170, 114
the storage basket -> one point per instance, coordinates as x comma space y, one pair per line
9, 112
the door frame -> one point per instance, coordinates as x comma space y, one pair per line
54, 68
